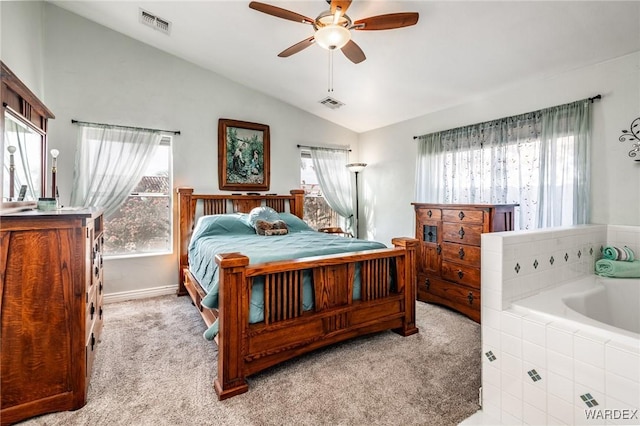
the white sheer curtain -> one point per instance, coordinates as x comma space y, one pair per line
538, 160
335, 181
564, 158
109, 163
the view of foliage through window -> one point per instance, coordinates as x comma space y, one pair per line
142, 225
317, 212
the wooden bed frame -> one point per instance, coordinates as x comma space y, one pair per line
288, 331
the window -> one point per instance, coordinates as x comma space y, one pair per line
538, 160
317, 212
142, 225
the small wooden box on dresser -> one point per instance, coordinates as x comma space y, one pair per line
449, 254
51, 309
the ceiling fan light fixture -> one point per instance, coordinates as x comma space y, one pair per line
332, 36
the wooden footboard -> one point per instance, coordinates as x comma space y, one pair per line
387, 301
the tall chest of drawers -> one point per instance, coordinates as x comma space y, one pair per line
51, 312
449, 256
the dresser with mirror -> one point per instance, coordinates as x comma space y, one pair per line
51, 273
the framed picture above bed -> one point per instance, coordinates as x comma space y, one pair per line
243, 156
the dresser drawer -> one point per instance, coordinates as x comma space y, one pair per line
91, 310
99, 317
463, 216
461, 253
463, 299
462, 274
428, 214
90, 355
462, 233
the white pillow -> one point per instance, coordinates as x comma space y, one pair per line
265, 213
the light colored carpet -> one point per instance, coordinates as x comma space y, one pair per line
154, 368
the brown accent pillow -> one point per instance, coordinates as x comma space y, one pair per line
271, 228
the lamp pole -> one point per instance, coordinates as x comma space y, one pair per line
12, 171
357, 168
54, 172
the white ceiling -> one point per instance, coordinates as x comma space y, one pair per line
459, 50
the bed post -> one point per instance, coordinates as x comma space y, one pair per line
296, 205
233, 302
185, 222
409, 323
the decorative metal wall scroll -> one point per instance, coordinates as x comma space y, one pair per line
632, 135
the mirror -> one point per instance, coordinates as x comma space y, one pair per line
23, 153
23, 144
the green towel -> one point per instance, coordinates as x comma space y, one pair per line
616, 253
618, 269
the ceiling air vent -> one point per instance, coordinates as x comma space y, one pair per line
329, 102
154, 22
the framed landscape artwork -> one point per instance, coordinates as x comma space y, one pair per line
243, 156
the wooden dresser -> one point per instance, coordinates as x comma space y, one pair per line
449, 255
51, 309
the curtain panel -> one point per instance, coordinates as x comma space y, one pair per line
335, 181
539, 160
109, 163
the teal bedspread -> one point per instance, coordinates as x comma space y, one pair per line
231, 233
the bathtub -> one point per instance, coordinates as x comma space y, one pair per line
609, 307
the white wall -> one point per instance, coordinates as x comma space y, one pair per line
389, 180
92, 73
21, 42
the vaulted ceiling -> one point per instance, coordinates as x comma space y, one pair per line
458, 51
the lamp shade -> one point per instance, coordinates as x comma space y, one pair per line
332, 36
356, 167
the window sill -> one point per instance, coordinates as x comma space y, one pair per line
137, 255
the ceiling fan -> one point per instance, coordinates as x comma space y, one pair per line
333, 27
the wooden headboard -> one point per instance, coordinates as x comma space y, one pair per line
191, 206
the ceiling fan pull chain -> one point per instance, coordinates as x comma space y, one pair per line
330, 89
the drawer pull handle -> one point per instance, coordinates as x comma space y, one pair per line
460, 274
461, 253
461, 233
100, 288
461, 215
429, 213
93, 341
92, 310
470, 298
439, 249
97, 271
427, 283
100, 312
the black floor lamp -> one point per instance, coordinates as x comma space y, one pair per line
357, 168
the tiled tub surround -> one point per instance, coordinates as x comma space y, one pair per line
540, 369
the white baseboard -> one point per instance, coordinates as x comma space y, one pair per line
140, 294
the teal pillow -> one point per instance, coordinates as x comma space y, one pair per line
294, 223
222, 224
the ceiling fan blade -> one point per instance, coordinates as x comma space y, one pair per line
296, 47
353, 52
387, 22
342, 4
279, 12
